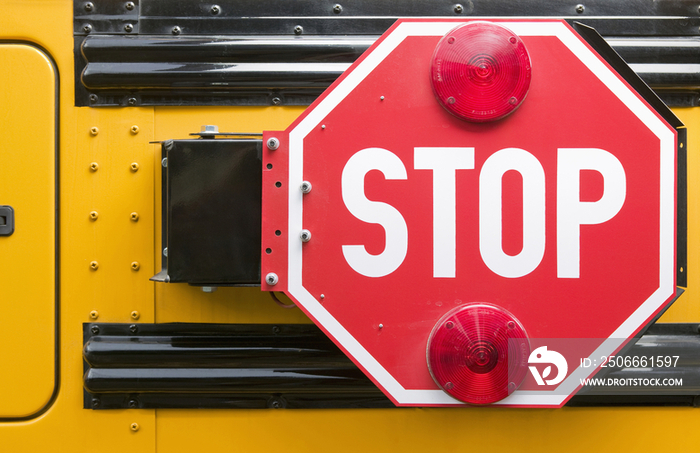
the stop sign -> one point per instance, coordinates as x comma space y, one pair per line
503, 259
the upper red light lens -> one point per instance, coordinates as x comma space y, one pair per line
478, 353
480, 71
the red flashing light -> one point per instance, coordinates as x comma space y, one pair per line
480, 71
478, 353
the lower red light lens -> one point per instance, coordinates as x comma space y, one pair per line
480, 71
478, 353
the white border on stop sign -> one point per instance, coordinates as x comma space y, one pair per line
614, 83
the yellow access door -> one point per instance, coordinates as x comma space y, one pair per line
28, 230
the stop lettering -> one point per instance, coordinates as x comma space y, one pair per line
445, 163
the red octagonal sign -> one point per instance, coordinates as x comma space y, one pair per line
462, 252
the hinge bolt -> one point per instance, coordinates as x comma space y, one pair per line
273, 143
272, 279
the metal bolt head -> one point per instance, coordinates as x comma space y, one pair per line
164, 162
272, 279
133, 328
94, 166
134, 129
93, 98
134, 216
273, 143
87, 28
94, 130
94, 314
135, 266
94, 265
458, 8
134, 167
305, 187
133, 403
298, 30
165, 252
275, 404
134, 427
129, 5
132, 101
176, 30
381, 326
93, 215
275, 330
276, 101
135, 315
305, 235
209, 131
89, 6
128, 28
96, 403
95, 330
215, 9
580, 8
337, 8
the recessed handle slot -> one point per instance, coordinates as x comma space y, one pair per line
7, 220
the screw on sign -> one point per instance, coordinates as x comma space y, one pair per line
477, 227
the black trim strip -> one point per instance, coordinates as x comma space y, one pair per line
297, 366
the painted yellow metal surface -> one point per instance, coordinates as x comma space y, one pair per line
28, 185
114, 291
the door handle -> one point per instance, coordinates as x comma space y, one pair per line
7, 220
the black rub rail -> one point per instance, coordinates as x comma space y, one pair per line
297, 366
